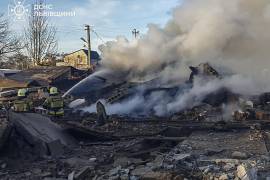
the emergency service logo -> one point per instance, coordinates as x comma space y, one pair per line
18, 10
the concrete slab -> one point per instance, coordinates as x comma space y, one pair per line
46, 136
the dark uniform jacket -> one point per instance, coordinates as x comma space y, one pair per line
54, 105
22, 105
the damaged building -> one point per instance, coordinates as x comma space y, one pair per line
199, 142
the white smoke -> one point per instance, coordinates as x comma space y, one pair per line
162, 103
76, 103
126, 107
232, 35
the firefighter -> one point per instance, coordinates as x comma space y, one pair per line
54, 103
22, 104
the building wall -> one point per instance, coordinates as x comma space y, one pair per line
77, 59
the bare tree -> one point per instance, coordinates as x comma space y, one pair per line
9, 43
40, 36
18, 61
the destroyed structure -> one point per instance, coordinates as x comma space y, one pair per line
195, 143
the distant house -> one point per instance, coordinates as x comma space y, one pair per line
79, 59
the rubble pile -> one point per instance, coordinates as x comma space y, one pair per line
205, 141
203, 112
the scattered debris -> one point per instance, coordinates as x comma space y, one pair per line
195, 143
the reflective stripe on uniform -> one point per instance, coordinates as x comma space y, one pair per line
56, 102
21, 106
60, 112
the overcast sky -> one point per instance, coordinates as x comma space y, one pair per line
109, 18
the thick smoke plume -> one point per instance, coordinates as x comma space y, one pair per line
232, 35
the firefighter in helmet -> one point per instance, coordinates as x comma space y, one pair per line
22, 104
54, 103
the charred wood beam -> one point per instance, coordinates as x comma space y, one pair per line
76, 129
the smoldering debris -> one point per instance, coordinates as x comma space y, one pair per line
228, 36
197, 142
163, 99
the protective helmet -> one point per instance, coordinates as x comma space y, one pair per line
53, 91
22, 92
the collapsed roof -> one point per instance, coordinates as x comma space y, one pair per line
115, 88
